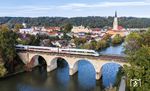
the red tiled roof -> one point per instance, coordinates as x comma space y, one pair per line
52, 33
120, 27
53, 28
96, 29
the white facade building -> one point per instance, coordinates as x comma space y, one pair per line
26, 30
78, 29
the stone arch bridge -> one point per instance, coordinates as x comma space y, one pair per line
72, 60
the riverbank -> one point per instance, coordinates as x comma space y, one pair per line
16, 73
12, 74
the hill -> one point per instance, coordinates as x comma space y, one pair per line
91, 21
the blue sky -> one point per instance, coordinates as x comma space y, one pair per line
74, 8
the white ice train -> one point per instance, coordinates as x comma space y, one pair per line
58, 50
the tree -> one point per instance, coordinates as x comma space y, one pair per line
146, 37
93, 45
101, 44
17, 27
4, 27
85, 46
117, 39
67, 28
139, 69
107, 37
91, 21
7, 48
138, 55
2, 70
133, 42
79, 41
30, 40
34, 40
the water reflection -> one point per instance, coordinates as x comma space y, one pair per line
59, 79
62, 74
115, 50
86, 75
109, 72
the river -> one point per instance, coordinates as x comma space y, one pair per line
114, 50
59, 79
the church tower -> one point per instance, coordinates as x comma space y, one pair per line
115, 23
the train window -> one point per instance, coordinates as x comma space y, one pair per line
90, 52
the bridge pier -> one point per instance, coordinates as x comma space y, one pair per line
72, 71
51, 68
98, 75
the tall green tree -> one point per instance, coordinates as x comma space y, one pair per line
7, 47
67, 28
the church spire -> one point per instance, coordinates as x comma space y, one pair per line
115, 23
115, 13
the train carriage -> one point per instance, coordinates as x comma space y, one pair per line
58, 50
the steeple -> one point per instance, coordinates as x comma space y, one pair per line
115, 23
115, 13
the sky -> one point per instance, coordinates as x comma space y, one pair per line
74, 8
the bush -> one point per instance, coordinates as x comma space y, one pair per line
117, 40
2, 70
101, 45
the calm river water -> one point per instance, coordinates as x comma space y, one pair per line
114, 50
59, 79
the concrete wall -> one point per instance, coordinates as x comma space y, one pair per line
51, 61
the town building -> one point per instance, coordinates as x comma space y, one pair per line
52, 29
26, 30
96, 31
79, 29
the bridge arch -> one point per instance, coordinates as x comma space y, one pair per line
75, 65
111, 62
36, 60
53, 63
110, 70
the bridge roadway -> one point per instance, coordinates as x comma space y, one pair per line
71, 59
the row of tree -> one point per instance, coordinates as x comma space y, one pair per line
98, 45
94, 45
127, 22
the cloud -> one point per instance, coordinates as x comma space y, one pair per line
104, 4
44, 9
77, 6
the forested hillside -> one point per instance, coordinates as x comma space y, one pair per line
127, 22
